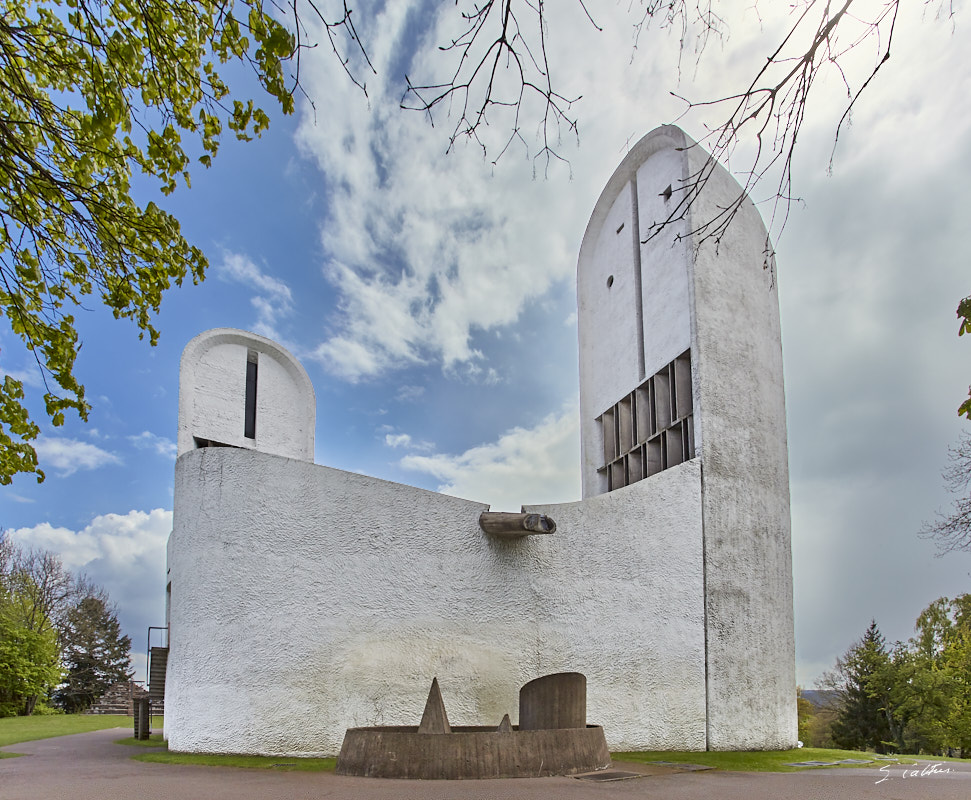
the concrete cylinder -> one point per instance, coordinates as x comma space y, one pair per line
554, 701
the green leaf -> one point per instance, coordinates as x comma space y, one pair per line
90, 93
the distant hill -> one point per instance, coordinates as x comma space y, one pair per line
821, 698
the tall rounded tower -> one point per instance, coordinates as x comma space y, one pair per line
681, 359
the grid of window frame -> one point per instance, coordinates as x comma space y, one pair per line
651, 428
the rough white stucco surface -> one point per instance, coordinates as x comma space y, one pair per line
212, 395
307, 600
613, 317
721, 300
740, 402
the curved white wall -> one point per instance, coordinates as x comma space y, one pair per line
307, 600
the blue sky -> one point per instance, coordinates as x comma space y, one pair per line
431, 299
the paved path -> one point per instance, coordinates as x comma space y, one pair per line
89, 766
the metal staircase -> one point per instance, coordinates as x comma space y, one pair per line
158, 660
154, 701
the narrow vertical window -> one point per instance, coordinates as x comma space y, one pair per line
250, 413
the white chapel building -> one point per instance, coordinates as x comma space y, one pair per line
305, 600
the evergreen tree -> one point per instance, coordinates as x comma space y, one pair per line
95, 654
865, 681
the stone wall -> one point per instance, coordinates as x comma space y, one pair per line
118, 699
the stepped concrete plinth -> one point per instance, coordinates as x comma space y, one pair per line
436, 750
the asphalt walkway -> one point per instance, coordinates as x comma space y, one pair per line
89, 766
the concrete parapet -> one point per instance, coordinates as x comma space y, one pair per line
472, 753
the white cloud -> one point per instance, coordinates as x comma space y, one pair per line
124, 553
425, 250
67, 456
147, 440
274, 301
409, 394
404, 440
18, 498
119, 540
28, 377
348, 358
525, 466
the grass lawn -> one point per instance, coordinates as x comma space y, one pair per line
27, 729
753, 761
154, 740
281, 763
756, 760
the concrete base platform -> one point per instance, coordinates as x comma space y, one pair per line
472, 753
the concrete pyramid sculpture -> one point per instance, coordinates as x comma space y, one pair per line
434, 719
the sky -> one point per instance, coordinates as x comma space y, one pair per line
431, 297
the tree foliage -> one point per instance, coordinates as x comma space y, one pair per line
29, 663
914, 697
95, 655
92, 91
806, 714
864, 681
37, 596
939, 677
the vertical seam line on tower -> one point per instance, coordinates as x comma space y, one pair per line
639, 305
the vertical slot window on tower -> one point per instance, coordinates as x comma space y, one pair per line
249, 415
650, 429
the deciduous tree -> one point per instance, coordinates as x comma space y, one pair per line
29, 655
806, 713
938, 680
95, 91
36, 595
29, 663
952, 531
